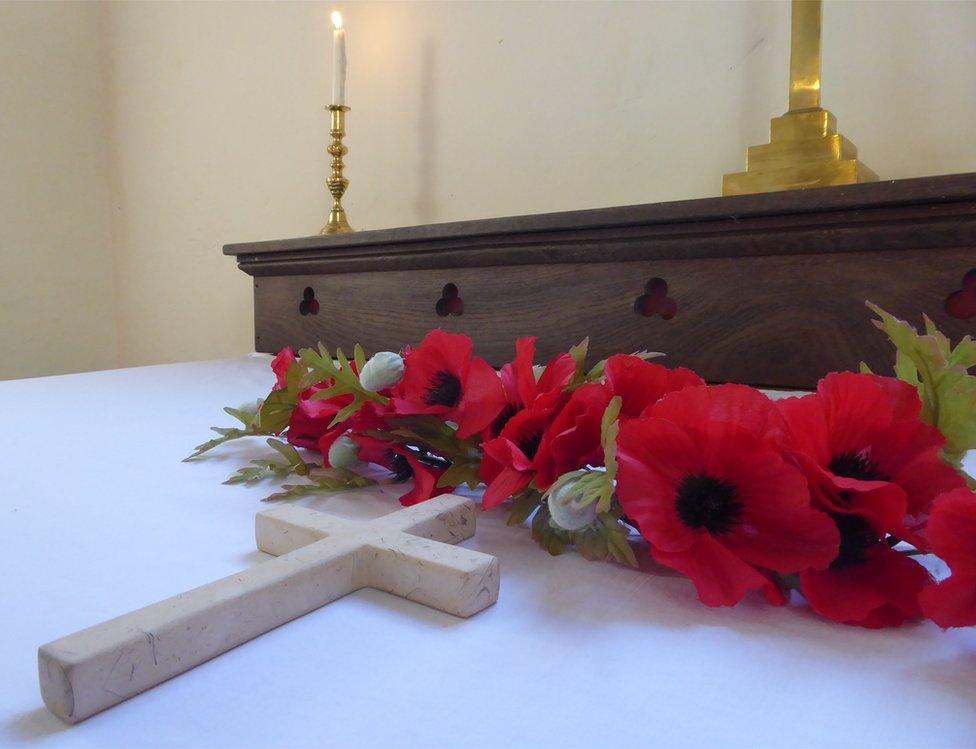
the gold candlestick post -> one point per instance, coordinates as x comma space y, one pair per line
804, 149
337, 222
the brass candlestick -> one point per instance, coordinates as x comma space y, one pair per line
805, 149
337, 222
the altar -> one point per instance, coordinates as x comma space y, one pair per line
101, 517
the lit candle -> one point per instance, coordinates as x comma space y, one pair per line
338, 59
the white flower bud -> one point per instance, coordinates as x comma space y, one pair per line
344, 453
383, 370
567, 512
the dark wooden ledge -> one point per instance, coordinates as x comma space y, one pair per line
833, 219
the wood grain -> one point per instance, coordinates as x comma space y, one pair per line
780, 321
770, 289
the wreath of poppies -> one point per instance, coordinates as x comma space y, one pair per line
844, 495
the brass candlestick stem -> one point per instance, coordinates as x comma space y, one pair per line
337, 222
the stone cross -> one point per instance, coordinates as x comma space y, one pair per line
319, 558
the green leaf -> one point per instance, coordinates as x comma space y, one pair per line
578, 354
609, 427
359, 356
616, 536
226, 435
261, 468
523, 505
940, 373
344, 379
460, 473
434, 436
324, 480
276, 411
246, 414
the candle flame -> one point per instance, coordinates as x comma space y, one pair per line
336, 19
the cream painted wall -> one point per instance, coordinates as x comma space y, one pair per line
57, 306
473, 109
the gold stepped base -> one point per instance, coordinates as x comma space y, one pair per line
804, 150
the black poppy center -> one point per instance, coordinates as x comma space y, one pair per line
529, 444
443, 389
502, 419
708, 502
400, 467
856, 536
856, 466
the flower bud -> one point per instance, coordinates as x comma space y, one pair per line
344, 453
566, 510
383, 370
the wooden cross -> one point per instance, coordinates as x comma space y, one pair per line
319, 558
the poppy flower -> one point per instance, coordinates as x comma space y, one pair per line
865, 452
442, 378
715, 500
869, 584
952, 533
640, 384
405, 463
280, 366
509, 462
522, 389
572, 440
311, 420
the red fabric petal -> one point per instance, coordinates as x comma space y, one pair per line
857, 408
881, 503
522, 367
720, 577
372, 450
557, 374
952, 530
311, 419
572, 441
704, 409
778, 529
424, 480
652, 457
881, 591
482, 399
951, 603
438, 352
806, 427
280, 365
640, 384
507, 481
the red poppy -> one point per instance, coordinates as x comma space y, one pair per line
572, 440
405, 463
869, 584
640, 384
520, 386
715, 499
952, 532
311, 419
280, 366
509, 462
441, 377
864, 451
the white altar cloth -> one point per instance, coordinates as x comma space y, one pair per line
99, 516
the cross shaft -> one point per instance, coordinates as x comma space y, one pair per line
319, 559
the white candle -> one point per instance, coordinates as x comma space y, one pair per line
338, 59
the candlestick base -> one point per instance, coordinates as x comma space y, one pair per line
337, 222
